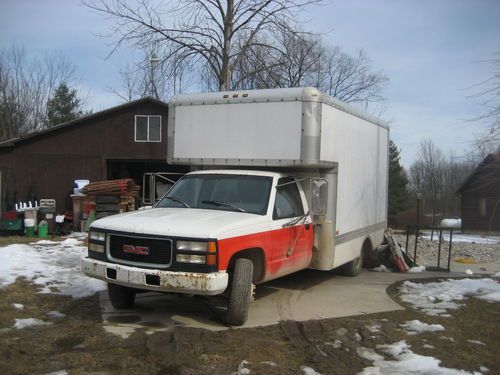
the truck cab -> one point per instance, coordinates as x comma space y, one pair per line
197, 236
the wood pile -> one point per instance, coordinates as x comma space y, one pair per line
123, 187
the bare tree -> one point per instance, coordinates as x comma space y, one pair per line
207, 31
138, 80
455, 173
427, 174
489, 95
26, 85
304, 59
438, 178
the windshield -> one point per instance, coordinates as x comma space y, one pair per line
227, 192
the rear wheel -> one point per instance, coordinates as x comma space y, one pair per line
121, 297
241, 292
353, 268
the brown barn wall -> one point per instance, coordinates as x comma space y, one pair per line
45, 166
485, 183
472, 222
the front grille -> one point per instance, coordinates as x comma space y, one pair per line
159, 250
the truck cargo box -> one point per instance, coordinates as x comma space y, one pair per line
278, 127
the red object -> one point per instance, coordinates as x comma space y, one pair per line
9, 215
139, 250
87, 207
276, 245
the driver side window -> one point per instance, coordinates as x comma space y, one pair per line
288, 203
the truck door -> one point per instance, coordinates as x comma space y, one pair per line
293, 239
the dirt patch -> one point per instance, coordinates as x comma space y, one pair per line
77, 342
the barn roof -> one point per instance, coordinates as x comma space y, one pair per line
490, 159
14, 141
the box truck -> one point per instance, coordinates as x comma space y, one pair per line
282, 180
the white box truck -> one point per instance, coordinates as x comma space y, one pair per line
283, 180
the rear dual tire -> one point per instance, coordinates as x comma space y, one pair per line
354, 267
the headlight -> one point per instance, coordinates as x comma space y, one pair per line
192, 246
97, 236
98, 248
189, 258
208, 252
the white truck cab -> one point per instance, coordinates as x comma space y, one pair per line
286, 180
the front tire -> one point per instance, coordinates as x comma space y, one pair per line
121, 297
241, 292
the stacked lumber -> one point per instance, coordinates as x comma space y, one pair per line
123, 187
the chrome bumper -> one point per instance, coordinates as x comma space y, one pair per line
176, 282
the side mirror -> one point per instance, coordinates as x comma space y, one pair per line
319, 196
148, 189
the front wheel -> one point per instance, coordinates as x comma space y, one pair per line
241, 292
121, 297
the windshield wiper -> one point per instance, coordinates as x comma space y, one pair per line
220, 203
178, 200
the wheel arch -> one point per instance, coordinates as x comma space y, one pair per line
258, 258
370, 258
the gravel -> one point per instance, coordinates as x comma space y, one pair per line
463, 252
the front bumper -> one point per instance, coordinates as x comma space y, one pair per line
177, 282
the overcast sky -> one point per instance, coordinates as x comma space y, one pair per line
431, 50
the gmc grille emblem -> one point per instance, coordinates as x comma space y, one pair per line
139, 250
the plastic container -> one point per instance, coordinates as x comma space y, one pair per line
43, 229
29, 227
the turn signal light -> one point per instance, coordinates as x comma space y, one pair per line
212, 258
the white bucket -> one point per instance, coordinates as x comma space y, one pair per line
29, 223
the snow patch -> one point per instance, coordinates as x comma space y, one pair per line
476, 342
368, 354
465, 238
436, 298
428, 346
484, 369
416, 269
18, 306
308, 370
61, 372
381, 268
49, 266
447, 338
55, 314
407, 362
336, 344
242, 370
44, 242
469, 272
414, 327
269, 363
29, 322
374, 328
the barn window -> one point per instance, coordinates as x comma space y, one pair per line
147, 128
482, 207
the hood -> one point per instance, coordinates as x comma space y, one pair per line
179, 222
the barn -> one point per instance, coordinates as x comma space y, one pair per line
480, 197
125, 141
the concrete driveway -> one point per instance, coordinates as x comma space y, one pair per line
305, 295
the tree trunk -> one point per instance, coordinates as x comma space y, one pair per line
225, 76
